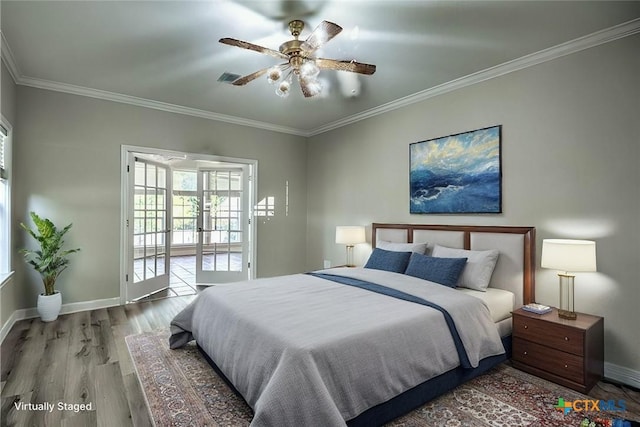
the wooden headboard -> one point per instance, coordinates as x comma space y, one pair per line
515, 270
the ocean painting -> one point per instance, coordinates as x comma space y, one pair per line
457, 173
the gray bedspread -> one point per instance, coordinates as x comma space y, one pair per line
304, 351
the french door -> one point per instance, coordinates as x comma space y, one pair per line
222, 245
222, 250
148, 227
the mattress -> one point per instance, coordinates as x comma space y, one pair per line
500, 302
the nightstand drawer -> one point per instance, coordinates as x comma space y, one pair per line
548, 359
552, 335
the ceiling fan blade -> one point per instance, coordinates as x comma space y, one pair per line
322, 34
250, 77
254, 47
352, 66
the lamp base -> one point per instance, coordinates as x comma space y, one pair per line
565, 310
350, 256
566, 314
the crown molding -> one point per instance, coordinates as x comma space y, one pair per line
155, 105
7, 56
595, 39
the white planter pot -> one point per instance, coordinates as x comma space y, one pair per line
49, 306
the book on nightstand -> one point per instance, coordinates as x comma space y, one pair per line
536, 308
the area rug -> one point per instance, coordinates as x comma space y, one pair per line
181, 389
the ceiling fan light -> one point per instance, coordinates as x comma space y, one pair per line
283, 89
314, 87
309, 70
274, 74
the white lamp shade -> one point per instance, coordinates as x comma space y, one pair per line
569, 255
350, 234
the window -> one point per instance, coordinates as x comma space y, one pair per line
5, 199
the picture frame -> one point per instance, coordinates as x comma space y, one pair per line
457, 174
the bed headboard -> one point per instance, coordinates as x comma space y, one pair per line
515, 270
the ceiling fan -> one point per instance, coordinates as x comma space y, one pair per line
300, 60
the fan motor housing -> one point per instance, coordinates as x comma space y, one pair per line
291, 47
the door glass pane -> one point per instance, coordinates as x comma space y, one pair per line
236, 181
160, 243
138, 197
150, 271
222, 224
222, 181
162, 178
150, 224
151, 176
138, 224
140, 173
160, 198
234, 203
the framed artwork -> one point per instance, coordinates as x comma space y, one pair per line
458, 173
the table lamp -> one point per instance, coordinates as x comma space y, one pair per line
568, 256
350, 235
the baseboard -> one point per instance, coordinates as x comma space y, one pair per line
4, 331
622, 374
74, 307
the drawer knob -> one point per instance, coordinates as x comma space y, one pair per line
566, 338
526, 327
525, 353
565, 366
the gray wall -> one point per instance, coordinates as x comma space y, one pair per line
8, 99
67, 167
571, 168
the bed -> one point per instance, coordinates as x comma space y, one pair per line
361, 346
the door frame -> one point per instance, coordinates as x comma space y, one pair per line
125, 203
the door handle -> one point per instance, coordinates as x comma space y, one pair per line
199, 229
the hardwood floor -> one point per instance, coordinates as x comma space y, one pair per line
82, 358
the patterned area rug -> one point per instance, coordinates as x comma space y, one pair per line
183, 390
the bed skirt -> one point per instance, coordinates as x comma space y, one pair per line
412, 398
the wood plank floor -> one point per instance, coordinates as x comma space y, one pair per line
82, 358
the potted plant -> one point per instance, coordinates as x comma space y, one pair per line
50, 260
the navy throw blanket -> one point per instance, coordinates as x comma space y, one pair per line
384, 290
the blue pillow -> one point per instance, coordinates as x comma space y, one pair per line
444, 271
388, 260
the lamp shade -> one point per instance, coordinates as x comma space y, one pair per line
350, 234
569, 255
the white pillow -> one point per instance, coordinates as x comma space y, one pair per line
420, 248
480, 265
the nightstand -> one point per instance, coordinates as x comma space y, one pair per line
567, 352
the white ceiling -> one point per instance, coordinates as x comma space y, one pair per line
166, 55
